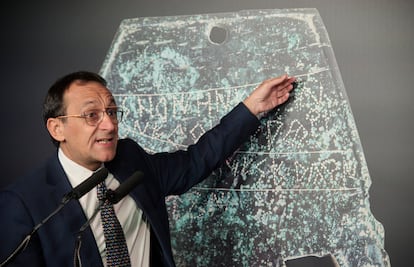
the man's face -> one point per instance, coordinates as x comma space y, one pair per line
88, 145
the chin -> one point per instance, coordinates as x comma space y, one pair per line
107, 157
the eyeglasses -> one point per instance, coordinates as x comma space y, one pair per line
95, 116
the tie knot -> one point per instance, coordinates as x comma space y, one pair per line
101, 190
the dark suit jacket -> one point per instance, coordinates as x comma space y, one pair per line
34, 197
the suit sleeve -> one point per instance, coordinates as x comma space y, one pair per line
15, 224
181, 170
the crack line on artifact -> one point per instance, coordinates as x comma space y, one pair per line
216, 89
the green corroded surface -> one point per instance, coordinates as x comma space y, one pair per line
299, 186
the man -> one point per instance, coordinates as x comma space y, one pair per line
82, 118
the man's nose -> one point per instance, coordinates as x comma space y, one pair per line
107, 122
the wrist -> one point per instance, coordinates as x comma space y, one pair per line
250, 106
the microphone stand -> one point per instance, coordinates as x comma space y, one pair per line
77, 262
76, 193
25, 242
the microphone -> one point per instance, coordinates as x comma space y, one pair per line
87, 185
114, 196
76, 193
126, 187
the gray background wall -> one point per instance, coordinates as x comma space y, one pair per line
372, 41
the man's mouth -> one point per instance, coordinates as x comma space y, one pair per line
104, 141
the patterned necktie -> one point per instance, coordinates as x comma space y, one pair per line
116, 247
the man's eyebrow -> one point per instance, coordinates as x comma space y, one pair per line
112, 102
94, 102
89, 103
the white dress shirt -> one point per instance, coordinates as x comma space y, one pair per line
136, 230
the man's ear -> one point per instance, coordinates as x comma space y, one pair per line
55, 128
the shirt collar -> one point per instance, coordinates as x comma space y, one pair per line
75, 172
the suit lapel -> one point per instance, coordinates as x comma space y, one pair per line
70, 219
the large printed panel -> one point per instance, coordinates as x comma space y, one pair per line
299, 186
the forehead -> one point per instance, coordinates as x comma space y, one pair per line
81, 94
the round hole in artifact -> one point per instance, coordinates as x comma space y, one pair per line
218, 35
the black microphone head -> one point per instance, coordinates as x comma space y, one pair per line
124, 188
87, 185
